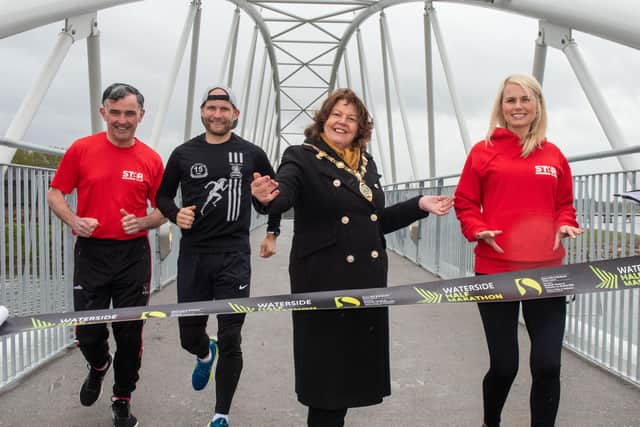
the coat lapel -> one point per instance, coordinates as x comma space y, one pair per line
347, 180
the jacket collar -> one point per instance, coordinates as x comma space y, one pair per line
328, 168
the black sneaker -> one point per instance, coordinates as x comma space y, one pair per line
92, 385
122, 416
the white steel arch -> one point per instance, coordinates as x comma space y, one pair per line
618, 24
334, 23
557, 19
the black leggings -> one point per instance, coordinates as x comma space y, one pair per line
204, 277
544, 319
326, 417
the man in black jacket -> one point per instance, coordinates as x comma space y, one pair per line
214, 171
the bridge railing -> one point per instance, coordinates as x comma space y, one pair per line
603, 328
36, 264
36, 267
35, 259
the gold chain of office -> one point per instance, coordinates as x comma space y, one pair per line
359, 174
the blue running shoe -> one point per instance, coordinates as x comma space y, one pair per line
220, 422
202, 373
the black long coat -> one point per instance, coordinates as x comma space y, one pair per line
341, 356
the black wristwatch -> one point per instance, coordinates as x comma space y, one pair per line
275, 232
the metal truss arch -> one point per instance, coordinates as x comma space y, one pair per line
257, 18
618, 23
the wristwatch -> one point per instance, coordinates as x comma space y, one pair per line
275, 233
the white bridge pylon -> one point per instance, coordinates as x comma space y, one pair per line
284, 56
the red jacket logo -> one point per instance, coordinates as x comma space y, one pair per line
132, 176
546, 170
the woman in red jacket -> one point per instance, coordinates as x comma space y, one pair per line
515, 199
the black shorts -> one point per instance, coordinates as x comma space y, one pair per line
213, 276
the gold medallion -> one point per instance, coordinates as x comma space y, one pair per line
365, 191
358, 174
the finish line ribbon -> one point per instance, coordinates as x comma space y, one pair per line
598, 276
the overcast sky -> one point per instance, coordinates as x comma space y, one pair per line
138, 43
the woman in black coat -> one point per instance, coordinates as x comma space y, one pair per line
341, 356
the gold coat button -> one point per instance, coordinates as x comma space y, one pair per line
336, 183
373, 217
345, 219
374, 254
350, 259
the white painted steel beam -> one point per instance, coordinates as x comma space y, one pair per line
193, 67
163, 107
540, 56
261, 76
8, 142
428, 65
448, 73
613, 20
253, 12
403, 112
387, 100
248, 79
347, 69
561, 38
265, 117
30, 104
599, 104
371, 106
95, 77
234, 48
19, 16
618, 21
224, 64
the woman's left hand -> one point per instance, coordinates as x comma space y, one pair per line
438, 205
264, 188
566, 231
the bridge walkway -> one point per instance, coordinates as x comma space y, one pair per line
438, 359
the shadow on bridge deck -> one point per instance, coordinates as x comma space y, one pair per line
438, 359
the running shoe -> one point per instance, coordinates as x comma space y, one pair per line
122, 416
220, 422
203, 371
92, 386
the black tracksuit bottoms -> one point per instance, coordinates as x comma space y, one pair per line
213, 276
114, 272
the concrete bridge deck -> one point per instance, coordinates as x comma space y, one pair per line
438, 359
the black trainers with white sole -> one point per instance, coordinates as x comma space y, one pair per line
122, 416
92, 386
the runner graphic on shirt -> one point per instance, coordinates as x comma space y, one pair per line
219, 185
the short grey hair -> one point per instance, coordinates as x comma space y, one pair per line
117, 91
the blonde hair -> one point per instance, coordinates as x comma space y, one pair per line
538, 130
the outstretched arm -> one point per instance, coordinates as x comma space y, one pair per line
437, 205
264, 188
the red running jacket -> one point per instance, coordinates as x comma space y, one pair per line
528, 199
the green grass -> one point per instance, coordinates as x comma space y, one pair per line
600, 237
